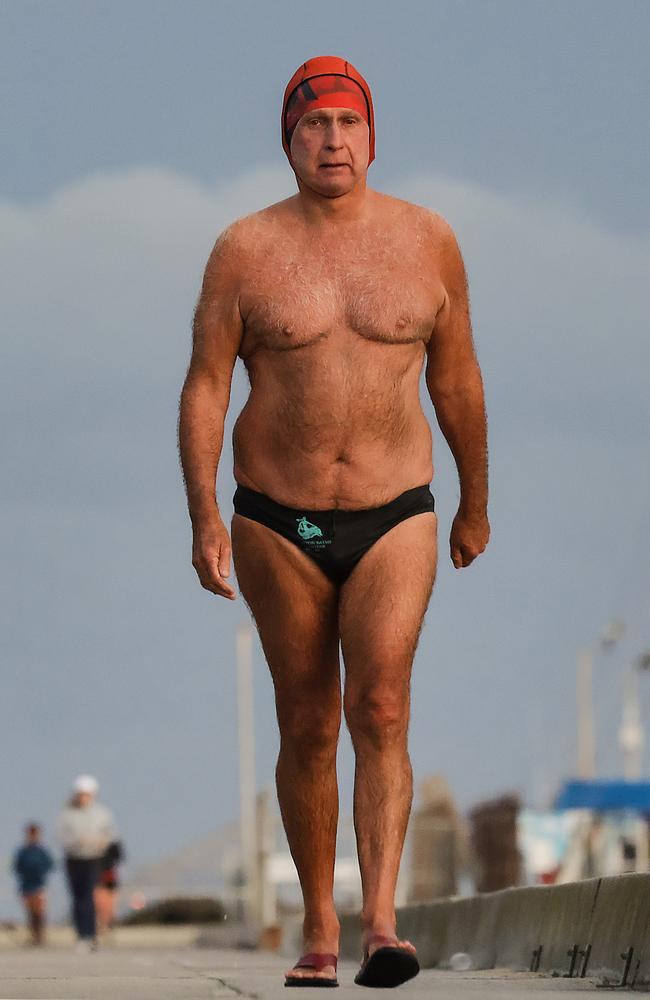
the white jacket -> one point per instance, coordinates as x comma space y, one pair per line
86, 832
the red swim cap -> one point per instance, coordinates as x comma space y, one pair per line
326, 82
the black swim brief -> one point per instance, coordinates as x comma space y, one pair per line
335, 539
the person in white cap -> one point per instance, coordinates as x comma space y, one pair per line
85, 828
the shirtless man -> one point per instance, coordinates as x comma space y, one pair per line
334, 299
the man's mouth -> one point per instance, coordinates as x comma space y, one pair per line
333, 166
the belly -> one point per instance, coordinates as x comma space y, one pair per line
337, 434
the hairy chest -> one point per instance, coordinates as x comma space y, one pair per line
294, 296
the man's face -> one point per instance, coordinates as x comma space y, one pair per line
330, 150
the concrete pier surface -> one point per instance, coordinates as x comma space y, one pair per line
174, 972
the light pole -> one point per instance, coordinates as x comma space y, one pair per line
631, 737
247, 768
631, 734
585, 697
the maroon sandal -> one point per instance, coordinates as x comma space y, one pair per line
316, 961
389, 965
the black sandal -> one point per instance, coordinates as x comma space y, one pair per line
388, 966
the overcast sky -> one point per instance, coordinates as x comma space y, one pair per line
136, 132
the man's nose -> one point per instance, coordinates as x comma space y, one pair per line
334, 136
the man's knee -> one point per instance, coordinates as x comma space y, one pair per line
308, 729
377, 715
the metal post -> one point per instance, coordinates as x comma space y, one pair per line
631, 736
266, 894
632, 741
642, 846
247, 768
585, 722
586, 735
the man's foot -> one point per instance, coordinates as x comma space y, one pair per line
387, 961
313, 969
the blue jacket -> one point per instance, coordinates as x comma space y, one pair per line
32, 864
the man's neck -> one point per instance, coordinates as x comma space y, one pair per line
318, 209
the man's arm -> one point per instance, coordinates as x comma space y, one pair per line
456, 390
217, 334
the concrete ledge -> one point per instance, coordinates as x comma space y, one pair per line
620, 920
502, 929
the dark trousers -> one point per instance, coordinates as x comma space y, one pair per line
83, 875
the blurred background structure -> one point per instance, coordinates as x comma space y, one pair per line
136, 133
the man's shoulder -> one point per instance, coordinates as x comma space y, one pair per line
245, 235
423, 221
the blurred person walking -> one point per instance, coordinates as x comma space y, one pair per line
85, 829
32, 864
106, 891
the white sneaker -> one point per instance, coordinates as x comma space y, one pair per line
85, 945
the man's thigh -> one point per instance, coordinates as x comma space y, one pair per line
295, 609
382, 607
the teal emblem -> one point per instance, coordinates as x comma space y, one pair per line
307, 530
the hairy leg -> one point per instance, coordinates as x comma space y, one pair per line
382, 606
295, 609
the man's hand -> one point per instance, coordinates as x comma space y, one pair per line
211, 557
469, 537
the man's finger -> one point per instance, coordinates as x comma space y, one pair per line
208, 571
219, 585
463, 556
224, 561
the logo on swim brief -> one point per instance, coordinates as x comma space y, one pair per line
307, 530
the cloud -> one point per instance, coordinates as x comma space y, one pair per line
100, 280
561, 315
98, 285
